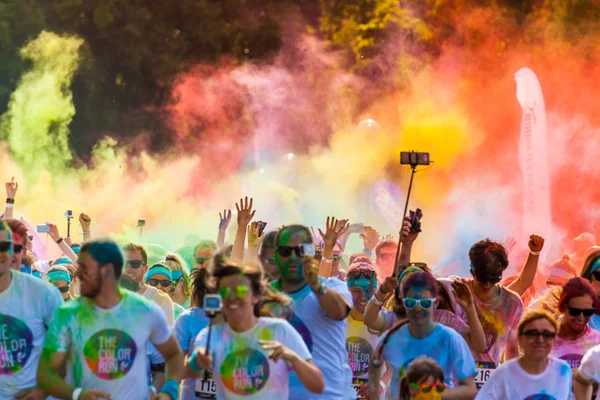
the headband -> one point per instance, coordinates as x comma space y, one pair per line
63, 260
406, 272
76, 249
158, 270
176, 275
595, 265
57, 275
556, 272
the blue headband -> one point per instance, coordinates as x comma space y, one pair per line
159, 270
63, 260
176, 275
76, 249
57, 275
595, 265
37, 274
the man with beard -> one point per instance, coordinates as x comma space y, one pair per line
27, 305
318, 312
100, 338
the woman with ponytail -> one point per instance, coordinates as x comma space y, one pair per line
249, 354
424, 380
420, 335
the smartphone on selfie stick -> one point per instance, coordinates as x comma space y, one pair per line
212, 306
414, 159
69, 217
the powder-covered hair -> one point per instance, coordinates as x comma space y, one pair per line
577, 287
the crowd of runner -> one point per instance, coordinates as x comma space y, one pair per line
287, 314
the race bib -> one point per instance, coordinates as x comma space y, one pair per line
484, 370
206, 389
356, 384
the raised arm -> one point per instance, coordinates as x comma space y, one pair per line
86, 222
407, 239
333, 304
527, 275
372, 317
66, 249
224, 220
254, 241
370, 238
464, 297
333, 231
11, 193
244, 216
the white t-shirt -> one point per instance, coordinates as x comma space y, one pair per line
26, 309
590, 366
510, 381
107, 348
241, 367
444, 345
572, 351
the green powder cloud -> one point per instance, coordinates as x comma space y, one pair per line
41, 108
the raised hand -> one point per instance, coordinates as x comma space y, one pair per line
54, 234
278, 351
408, 237
85, 222
310, 272
224, 219
244, 212
389, 237
389, 284
536, 243
332, 232
253, 235
462, 294
316, 238
370, 238
11, 188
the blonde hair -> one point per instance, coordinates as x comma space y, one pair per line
534, 316
176, 263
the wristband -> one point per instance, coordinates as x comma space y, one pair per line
377, 302
534, 253
77, 393
10, 201
192, 362
153, 389
84, 232
171, 387
382, 385
9, 205
326, 260
59, 241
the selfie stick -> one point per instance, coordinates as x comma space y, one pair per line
207, 349
413, 166
69, 226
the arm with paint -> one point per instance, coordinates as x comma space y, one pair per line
407, 240
66, 249
476, 336
85, 221
333, 304
253, 243
330, 238
224, 220
375, 376
527, 275
372, 317
11, 192
244, 216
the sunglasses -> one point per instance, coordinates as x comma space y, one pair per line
135, 264
596, 275
63, 289
17, 248
337, 258
201, 260
575, 312
5, 246
240, 292
534, 334
286, 251
425, 304
163, 282
357, 273
428, 387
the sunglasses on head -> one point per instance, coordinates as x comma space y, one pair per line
163, 282
575, 312
425, 304
240, 292
357, 273
534, 334
428, 387
135, 264
5, 246
201, 260
17, 248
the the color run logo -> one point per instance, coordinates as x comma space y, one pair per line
16, 343
245, 372
574, 360
359, 355
110, 354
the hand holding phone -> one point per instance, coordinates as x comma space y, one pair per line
415, 219
43, 228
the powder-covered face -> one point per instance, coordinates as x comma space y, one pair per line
203, 256
362, 289
237, 305
290, 267
419, 315
18, 251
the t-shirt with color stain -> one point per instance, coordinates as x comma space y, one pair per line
572, 351
26, 308
325, 338
360, 346
187, 327
242, 369
510, 381
499, 320
589, 368
444, 345
107, 348
443, 317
